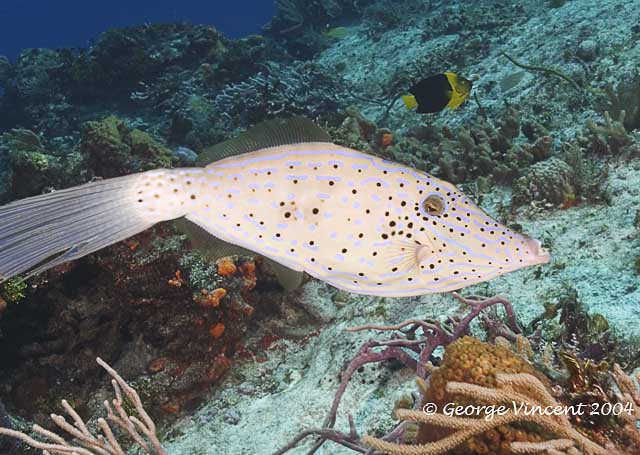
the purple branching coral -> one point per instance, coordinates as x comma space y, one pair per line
412, 342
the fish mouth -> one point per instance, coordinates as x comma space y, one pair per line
538, 254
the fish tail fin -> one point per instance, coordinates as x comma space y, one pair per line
410, 102
41, 232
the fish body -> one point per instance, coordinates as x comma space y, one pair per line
347, 218
435, 93
337, 33
360, 223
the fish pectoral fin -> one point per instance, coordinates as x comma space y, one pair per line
271, 133
403, 256
208, 244
288, 278
422, 254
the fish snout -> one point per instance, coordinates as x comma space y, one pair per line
538, 255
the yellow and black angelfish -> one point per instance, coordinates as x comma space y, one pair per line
437, 92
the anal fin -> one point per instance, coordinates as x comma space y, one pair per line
288, 278
207, 244
213, 248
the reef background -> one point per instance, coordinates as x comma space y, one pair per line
225, 360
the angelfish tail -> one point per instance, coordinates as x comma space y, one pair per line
41, 232
410, 102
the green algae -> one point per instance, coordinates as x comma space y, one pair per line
14, 290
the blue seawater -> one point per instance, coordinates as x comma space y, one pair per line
75, 23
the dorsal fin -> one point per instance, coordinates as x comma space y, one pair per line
270, 133
214, 248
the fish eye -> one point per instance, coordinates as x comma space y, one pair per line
433, 205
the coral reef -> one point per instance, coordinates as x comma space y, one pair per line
482, 151
569, 177
409, 338
140, 427
622, 100
29, 164
471, 361
32, 168
566, 326
277, 90
477, 378
150, 322
549, 180
510, 388
613, 132
33, 72
124, 57
298, 24
113, 149
486, 383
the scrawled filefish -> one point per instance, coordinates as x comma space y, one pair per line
286, 192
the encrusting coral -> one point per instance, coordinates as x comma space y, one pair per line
173, 328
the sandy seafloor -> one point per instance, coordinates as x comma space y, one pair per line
593, 249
